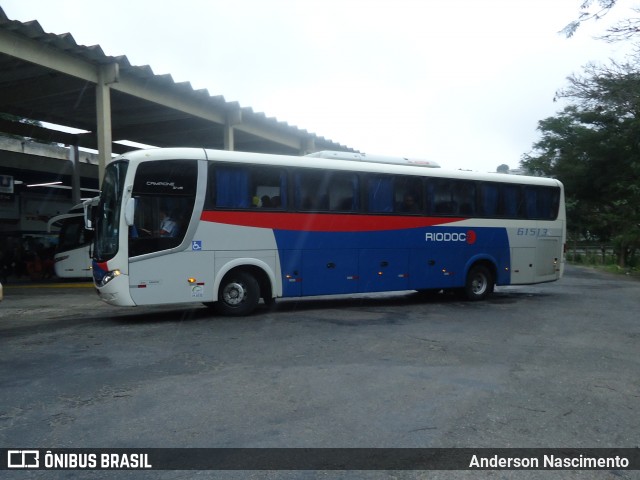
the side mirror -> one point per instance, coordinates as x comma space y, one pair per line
129, 211
88, 207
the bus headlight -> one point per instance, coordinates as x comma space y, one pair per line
108, 277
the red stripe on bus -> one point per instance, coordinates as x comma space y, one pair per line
322, 222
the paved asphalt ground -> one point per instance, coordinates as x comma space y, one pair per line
551, 365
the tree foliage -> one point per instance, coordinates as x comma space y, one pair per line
593, 147
586, 14
593, 10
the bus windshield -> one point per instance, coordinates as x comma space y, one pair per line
108, 214
73, 234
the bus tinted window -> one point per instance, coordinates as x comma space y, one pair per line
232, 188
164, 194
510, 201
268, 187
380, 194
541, 202
325, 191
399, 194
247, 187
239, 187
451, 197
489, 196
408, 195
500, 200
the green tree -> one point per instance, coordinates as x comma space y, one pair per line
593, 147
593, 10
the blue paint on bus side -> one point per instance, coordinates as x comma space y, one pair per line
322, 263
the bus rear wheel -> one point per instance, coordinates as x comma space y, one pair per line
479, 284
238, 295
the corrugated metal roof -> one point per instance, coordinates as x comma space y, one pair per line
36, 92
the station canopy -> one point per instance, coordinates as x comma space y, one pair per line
49, 78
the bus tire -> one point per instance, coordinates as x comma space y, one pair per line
238, 295
479, 283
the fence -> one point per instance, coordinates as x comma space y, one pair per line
591, 254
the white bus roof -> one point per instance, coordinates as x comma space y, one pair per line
307, 161
363, 157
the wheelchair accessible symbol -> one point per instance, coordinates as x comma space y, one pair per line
196, 244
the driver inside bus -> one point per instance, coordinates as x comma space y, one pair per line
168, 226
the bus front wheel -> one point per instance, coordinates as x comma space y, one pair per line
238, 295
479, 284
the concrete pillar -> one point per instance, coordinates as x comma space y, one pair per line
228, 137
74, 157
308, 145
233, 117
107, 75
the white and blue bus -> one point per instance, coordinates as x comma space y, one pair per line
246, 226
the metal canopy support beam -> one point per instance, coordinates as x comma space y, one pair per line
168, 97
289, 140
43, 55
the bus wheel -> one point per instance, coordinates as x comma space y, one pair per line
479, 283
238, 295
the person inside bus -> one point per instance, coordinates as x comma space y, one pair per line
168, 226
265, 201
409, 204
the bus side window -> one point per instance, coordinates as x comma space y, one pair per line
408, 195
550, 202
326, 191
232, 187
541, 202
489, 195
311, 190
380, 194
343, 192
441, 198
531, 202
269, 188
509, 201
451, 197
465, 195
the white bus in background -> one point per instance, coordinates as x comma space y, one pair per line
72, 258
250, 226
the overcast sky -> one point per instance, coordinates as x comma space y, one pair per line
461, 82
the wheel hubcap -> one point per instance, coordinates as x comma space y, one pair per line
234, 294
479, 285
